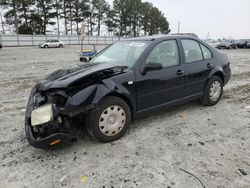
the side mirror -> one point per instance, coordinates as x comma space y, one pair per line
152, 67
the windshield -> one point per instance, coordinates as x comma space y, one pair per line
123, 53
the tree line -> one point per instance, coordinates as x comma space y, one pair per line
124, 18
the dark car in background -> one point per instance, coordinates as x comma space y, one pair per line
247, 43
241, 43
124, 81
227, 44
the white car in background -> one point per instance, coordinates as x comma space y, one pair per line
52, 43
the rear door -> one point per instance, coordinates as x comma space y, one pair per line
198, 64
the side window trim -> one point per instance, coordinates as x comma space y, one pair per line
203, 58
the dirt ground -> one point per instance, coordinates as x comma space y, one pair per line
211, 143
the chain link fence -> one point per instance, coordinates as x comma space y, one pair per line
34, 40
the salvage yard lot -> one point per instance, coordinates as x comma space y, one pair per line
212, 143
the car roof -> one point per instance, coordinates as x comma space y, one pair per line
158, 37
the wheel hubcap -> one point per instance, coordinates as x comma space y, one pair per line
215, 91
112, 120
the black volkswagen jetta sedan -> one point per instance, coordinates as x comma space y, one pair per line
125, 80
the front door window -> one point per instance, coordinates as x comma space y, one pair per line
165, 53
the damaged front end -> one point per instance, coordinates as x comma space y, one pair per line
46, 124
58, 104
52, 116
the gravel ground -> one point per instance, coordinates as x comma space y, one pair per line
212, 143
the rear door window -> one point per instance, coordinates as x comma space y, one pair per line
192, 50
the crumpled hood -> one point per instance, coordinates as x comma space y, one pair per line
62, 78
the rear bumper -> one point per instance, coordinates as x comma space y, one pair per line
227, 77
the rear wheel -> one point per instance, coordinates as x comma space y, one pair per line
60, 46
110, 121
213, 91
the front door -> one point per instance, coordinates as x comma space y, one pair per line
159, 87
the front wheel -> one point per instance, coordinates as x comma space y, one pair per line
213, 91
110, 121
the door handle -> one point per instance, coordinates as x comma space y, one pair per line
180, 72
209, 65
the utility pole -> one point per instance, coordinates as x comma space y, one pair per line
179, 24
1, 17
82, 33
208, 35
58, 24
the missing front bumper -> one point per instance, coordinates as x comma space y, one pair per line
58, 124
48, 141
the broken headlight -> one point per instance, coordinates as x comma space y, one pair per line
42, 115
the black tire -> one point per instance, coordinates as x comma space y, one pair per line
93, 118
60, 46
206, 99
46, 46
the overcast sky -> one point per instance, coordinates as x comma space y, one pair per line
219, 18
